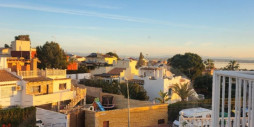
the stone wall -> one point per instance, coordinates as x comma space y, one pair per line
139, 117
92, 91
122, 102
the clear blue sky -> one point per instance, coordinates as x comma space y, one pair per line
216, 28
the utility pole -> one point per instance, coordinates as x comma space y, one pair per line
128, 102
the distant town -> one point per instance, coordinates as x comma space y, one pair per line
47, 87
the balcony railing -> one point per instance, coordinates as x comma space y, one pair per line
44, 73
32, 100
207, 122
233, 94
30, 74
228, 85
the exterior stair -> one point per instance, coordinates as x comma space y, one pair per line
80, 94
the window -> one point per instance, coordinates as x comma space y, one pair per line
169, 92
7, 91
35, 89
62, 86
105, 123
161, 121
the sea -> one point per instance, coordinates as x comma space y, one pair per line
243, 65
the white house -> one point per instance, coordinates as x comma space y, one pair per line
158, 79
120, 71
10, 89
38, 88
3, 62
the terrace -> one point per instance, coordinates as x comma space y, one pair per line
233, 94
51, 73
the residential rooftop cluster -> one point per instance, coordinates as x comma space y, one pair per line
104, 90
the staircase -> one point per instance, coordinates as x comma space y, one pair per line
80, 94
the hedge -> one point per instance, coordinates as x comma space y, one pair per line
18, 117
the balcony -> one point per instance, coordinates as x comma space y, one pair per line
51, 73
32, 100
233, 94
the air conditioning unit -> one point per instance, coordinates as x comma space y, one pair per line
18, 88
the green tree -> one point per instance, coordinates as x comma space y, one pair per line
183, 91
113, 54
141, 61
190, 64
203, 85
163, 97
83, 69
6, 46
106, 86
51, 56
22, 37
136, 91
209, 64
232, 65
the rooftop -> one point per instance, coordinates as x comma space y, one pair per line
37, 79
6, 76
116, 71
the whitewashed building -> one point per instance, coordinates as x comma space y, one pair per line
158, 79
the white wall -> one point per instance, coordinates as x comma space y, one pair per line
12, 100
57, 82
3, 63
52, 119
79, 76
153, 87
101, 70
20, 45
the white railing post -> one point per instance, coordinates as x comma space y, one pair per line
236, 100
229, 100
216, 100
252, 106
239, 102
223, 101
244, 103
213, 100
249, 103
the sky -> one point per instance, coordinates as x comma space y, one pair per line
213, 28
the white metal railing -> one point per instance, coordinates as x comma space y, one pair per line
237, 86
53, 72
207, 122
44, 73
30, 74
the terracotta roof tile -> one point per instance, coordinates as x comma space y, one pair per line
116, 71
6, 76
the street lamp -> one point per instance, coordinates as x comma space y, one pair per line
127, 82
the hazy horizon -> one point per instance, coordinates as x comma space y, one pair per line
217, 29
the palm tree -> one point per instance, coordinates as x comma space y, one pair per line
183, 91
163, 97
209, 64
232, 65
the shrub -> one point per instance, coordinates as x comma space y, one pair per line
22, 117
136, 91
